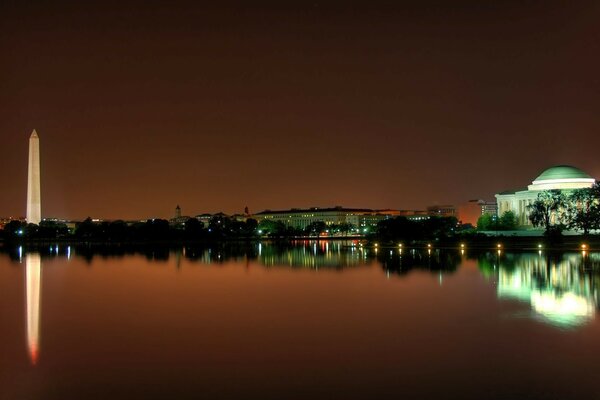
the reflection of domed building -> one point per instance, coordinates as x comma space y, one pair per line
559, 291
563, 177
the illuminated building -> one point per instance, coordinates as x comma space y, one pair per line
431, 211
301, 218
204, 218
414, 215
34, 202
561, 177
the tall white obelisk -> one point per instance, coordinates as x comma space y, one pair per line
34, 200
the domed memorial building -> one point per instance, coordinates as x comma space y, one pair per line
562, 177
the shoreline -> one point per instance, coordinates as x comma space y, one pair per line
504, 243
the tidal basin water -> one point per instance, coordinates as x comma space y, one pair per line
314, 320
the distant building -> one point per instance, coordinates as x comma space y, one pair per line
178, 219
240, 217
561, 177
204, 219
470, 212
360, 218
414, 215
441, 211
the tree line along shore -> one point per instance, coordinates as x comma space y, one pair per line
438, 232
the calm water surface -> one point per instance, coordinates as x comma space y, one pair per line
315, 320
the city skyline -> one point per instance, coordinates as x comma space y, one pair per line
34, 214
143, 107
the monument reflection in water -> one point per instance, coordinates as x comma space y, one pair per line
33, 279
561, 289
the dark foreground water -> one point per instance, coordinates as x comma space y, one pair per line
318, 320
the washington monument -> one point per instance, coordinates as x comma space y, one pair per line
34, 200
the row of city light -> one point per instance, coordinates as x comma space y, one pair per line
584, 247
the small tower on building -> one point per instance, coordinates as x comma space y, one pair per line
177, 212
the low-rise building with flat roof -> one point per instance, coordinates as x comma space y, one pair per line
302, 217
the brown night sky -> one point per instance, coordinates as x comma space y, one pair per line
143, 106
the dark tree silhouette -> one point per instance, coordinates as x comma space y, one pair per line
548, 211
584, 209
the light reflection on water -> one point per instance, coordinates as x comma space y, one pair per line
33, 272
560, 291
